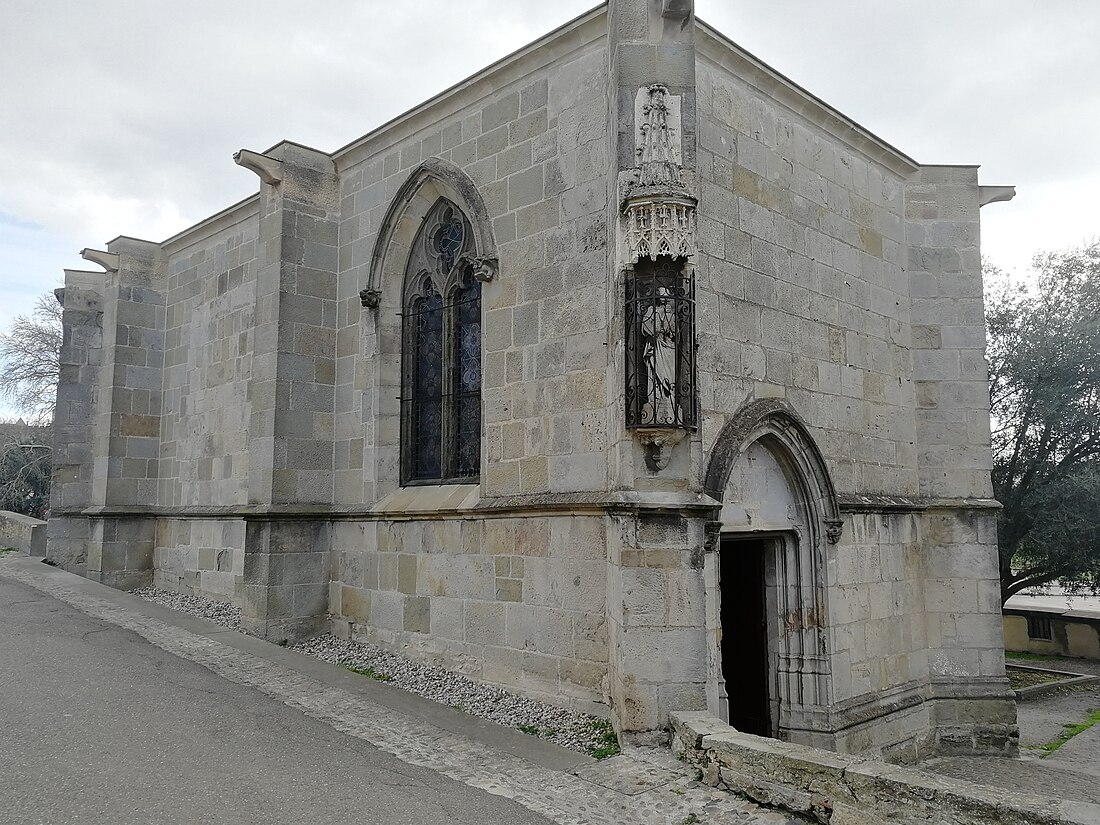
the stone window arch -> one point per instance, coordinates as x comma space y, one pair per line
441, 352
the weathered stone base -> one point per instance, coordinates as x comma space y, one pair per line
120, 551
284, 593
847, 790
201, 556
67, 539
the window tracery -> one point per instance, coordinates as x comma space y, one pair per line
441, 356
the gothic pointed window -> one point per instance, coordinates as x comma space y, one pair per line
441, 358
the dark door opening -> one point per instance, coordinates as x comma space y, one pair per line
745, 662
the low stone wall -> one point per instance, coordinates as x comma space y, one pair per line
25, 534
846, 790
1073, 633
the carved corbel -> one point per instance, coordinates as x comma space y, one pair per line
712, 531
834, 528
270, 170
108, 260
658, 443
484, 269
370, 298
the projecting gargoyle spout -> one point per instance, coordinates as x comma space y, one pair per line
270, 170
995, 194
107, 260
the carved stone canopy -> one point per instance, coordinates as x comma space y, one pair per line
660, 226
659, 209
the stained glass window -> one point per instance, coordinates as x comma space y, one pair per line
427, 396
467, 374
441, 388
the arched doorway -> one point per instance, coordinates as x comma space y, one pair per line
770, 668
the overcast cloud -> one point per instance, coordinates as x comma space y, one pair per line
121, 117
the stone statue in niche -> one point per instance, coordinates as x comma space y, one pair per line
659, 333
658, 208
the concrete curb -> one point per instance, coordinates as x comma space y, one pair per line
1034, 691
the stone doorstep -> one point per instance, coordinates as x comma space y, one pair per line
842, 789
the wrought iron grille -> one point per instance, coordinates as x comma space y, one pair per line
660, 345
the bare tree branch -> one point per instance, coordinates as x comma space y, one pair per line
30, 360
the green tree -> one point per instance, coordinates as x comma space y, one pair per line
1044, 362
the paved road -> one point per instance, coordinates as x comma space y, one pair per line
99, 726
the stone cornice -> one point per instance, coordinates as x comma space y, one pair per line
875, 503
544, 504
547, 504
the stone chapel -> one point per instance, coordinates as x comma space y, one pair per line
625, 373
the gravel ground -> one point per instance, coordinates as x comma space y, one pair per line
223, 613
576, 731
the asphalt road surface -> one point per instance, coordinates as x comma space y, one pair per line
99, 726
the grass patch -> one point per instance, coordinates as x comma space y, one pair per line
530, 730
607, 744
1025, 656
5, 550
1071, 730
369, 672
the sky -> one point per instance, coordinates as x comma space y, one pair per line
120, 117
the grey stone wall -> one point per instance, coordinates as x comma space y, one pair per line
536, 149
204, 436
200, 556
284, 590
209, 343
656, 618
511, 600
801, 283
243, 436
127, 422
949, 369
80, 359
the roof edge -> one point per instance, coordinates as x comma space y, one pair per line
219, 220
481, 74
806, 104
